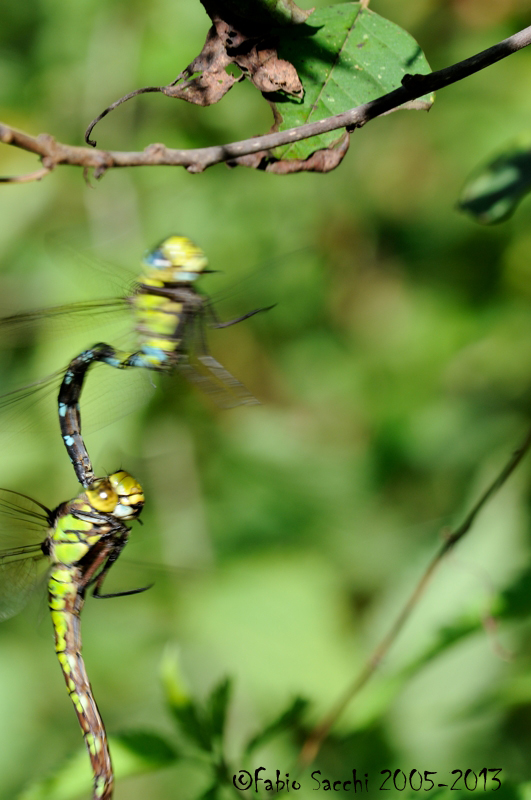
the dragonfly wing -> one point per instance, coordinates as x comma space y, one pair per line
57, 320
18, 578
23, 525
201, 369
261, 285
108, 395
25, 409
215, 381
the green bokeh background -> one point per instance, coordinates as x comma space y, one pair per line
395, 376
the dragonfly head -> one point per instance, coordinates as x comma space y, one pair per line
119, 494
175, 260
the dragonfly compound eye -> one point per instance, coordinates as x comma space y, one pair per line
102, 496
176, 259
130, 495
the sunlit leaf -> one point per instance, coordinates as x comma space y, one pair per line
173, 681
345, 55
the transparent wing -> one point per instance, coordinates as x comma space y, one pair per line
18, 579
31, 405
75, 324
108, 395
61, 325
203, 371
30, 318
284, 281
261, 283
23, 526
23, 408
214, 380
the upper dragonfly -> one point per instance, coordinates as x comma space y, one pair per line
80, 539
169, 316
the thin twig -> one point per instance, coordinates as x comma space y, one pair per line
316, 738
54, 153
31, 176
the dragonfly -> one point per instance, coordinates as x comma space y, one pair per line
80, 539
169, 316
166, 308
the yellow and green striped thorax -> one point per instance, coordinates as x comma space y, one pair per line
164, 295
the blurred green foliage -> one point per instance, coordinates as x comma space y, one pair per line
494, 190
395, 378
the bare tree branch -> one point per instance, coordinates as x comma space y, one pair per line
53, 153
316, 738
28, 178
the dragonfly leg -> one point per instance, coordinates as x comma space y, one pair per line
125, 593
97, 580
217, 324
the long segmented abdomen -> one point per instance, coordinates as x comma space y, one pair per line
70, 391
66, 601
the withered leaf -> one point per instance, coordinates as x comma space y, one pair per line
225, 45
242, 34
205, 80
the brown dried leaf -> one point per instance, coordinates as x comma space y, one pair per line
243, 35
226, 45
211, 80
268, 72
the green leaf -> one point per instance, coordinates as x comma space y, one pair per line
211, 793
134, 753
199, 724
192, 723
515, 601
493, 191
189, 715
289, 718
217, 704
345, 55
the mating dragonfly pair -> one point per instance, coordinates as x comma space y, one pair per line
82, 538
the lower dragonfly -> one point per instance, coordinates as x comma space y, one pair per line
83, 538
169, 319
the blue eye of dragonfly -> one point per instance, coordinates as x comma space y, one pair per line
156, 258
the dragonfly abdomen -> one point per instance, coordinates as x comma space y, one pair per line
159, 320
66, 601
